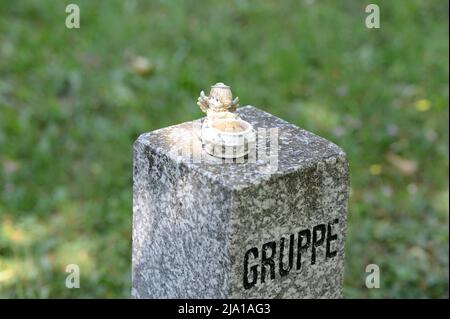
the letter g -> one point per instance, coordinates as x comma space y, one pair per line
253, 269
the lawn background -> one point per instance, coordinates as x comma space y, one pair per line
73, 101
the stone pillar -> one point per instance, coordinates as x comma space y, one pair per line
272, 225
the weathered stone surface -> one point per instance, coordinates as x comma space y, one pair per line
215, 229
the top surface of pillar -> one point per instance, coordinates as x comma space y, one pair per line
295, 149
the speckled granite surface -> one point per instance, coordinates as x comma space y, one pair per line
209, 228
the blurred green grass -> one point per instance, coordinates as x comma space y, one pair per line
72, 102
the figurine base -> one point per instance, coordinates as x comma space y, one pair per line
226, 151
227, 138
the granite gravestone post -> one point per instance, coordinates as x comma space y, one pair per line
257, 227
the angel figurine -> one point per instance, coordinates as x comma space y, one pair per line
219, 104
224, 134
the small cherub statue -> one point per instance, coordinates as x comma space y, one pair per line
219, 104
224, 134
